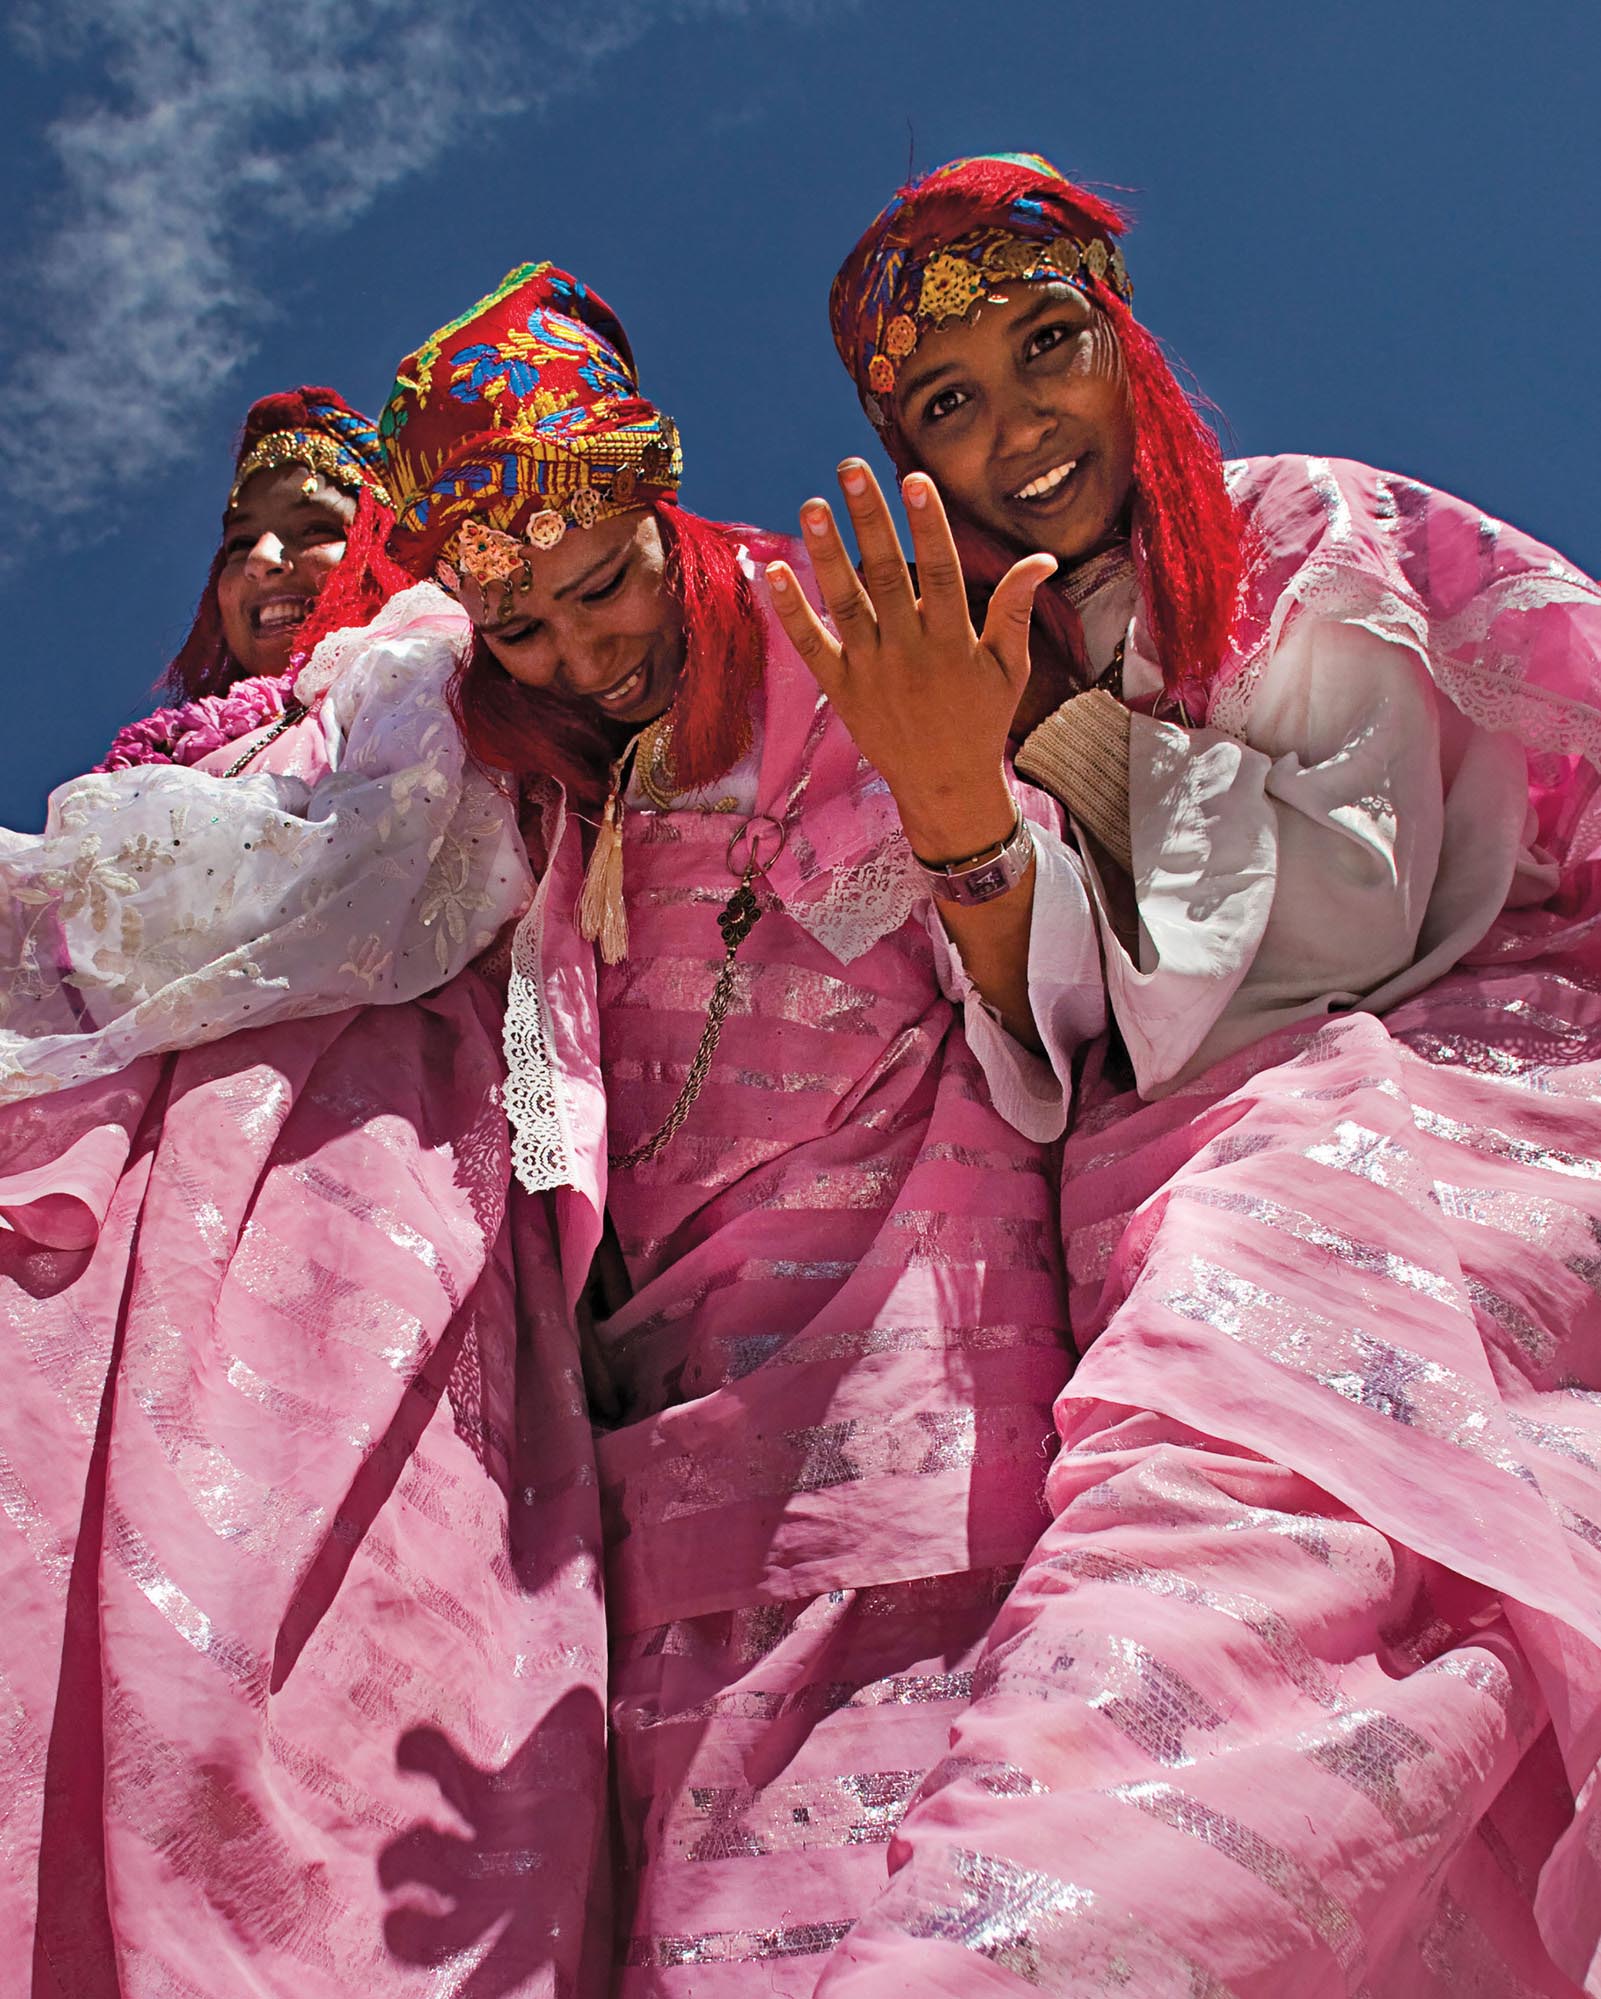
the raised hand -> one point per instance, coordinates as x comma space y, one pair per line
928, 700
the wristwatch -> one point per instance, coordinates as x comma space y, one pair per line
981, 877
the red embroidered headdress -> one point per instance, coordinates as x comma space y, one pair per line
517, 421
316, 428
934, 253
515, 424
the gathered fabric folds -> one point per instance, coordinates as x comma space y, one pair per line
834, 1383
826, 1402
1301, 1689
303, 1655
363, 860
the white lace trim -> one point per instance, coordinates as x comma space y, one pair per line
861, 904
540, 1155
858, 906
408, 611
1487, 686
1232, 702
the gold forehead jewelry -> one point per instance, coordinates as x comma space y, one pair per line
588, 479
320, 454
956, 278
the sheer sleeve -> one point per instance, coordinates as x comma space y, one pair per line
163, 907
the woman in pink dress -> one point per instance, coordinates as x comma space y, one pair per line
834, 1315
1299, 1692
303, 1654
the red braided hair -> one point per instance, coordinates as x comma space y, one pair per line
1185, 530
531, 732
203, 664
1187, 536
365, 577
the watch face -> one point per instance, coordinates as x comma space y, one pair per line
988, 879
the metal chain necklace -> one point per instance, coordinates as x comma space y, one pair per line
653, 771
736, 920
293, 710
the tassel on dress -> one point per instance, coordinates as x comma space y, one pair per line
602, 919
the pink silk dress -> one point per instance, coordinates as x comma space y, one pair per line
1300, 1692
827, 1402
303, 1659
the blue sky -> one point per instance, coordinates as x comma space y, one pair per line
1369, 230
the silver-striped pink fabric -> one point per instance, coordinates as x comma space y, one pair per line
829, 1395
1301, 1690
303, 1654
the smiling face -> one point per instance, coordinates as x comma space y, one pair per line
1021, 417
594, 621
280, 546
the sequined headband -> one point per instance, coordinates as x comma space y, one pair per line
961, 273
594, 477
320, 454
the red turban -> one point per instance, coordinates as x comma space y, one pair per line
518, 420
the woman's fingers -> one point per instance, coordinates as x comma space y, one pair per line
940, 583
803, 628
1011, 608
848, 603
883, 571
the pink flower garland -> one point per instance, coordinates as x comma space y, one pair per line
186, 734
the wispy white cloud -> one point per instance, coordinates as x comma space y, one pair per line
199, 125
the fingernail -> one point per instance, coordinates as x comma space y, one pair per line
816, 520
777, 580
915, 491
853, 476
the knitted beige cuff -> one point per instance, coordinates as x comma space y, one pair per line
1080, 756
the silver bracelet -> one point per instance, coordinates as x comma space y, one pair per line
991, 874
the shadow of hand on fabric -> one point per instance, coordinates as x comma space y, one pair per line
511, 1894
